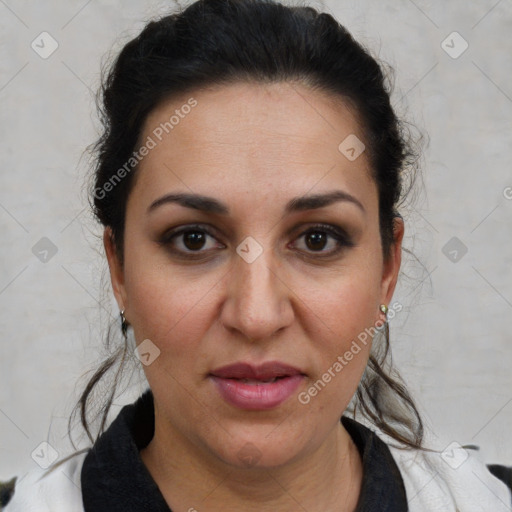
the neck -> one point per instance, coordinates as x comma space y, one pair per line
190, 478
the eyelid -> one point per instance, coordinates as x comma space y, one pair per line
329, 228
175, 232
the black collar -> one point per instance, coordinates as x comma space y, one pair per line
114, 478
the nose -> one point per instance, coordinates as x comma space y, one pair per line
258, 300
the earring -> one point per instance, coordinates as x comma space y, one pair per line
384, 327
124, 323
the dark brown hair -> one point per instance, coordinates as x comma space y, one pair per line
215, 42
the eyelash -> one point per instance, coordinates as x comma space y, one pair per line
339, 235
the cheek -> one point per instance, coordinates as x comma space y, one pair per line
344, 302
341, 353
356, 308
167, 305
161, 307
341, 321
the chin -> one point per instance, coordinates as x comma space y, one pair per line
264, 449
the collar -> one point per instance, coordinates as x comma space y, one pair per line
114, 477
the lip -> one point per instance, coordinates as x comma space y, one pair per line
265, 371
257, 395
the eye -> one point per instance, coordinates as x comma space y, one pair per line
190, 240
324, 239
196, 240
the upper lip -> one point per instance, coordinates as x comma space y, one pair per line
267, 370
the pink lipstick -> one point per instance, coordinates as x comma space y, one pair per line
259, 387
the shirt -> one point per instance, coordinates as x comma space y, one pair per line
115, 478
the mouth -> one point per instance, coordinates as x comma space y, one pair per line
262, 387
264, 372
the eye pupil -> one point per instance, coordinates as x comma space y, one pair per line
316, 241
193, 240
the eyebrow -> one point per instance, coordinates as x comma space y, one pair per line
212, 205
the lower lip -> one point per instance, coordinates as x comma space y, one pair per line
266, 395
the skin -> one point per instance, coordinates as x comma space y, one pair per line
253, 147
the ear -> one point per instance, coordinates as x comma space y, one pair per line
116, 269
391, 267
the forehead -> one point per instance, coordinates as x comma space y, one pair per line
247, 136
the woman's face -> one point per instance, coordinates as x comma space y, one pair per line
269, 255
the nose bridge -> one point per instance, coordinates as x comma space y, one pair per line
257, 304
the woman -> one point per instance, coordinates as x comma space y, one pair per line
248, 181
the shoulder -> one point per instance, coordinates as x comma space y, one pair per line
454, 479
56, 489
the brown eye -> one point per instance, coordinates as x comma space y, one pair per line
316, 241
324, 240
194, 240
190, 241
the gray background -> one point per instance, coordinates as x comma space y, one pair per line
452, 342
